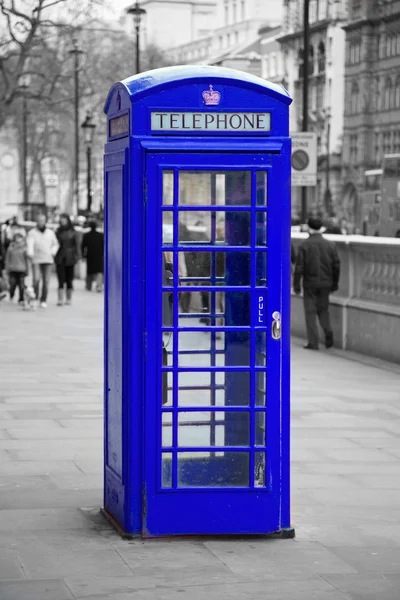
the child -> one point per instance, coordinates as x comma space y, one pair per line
17, 266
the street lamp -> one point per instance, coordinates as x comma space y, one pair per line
76, 51
88, 128
137, 13
24, 86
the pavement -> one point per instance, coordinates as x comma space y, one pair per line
55, 546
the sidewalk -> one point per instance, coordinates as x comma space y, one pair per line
54, 545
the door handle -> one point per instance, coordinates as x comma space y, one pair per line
276, 328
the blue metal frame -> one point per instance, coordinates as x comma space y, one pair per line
134, 497
258, 510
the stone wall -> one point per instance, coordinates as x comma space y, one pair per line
365, 311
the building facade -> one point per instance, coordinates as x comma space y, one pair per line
326, 91
233, 40
171, 22
372, 98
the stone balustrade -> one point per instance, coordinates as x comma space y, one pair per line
365, 312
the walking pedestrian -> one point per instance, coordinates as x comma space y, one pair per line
42, 246
93, 251
12, 227
67, 256
318, 267
17, 266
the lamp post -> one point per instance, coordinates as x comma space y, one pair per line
137, 13
88, 127
24, 86
306, 56
76, 52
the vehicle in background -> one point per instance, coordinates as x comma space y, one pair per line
371, 201
381, 203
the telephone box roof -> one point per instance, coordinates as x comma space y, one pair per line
157, 79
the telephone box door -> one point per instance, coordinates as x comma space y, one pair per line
213, 349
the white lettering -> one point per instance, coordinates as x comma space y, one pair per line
260, 309
210, 121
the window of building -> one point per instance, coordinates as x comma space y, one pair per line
226, 9
265, 67
356, 9
311, 61
355, 99
382, 46
396, 141
220, 41
386, 143
377, 94
377, 148
243, 10
388, 94
353, 150
300, 59
388, 46
320, 95
397, 93
272, 65
234, 12
355, 52
398, 43
321, 58
393, 40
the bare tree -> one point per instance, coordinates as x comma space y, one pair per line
28, 30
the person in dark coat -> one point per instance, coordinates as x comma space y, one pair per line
67, 256
318, 267
93, 251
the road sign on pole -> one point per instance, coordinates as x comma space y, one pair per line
304, 159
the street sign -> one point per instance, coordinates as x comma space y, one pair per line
51, 180
304, 159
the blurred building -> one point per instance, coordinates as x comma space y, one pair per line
234, 39
326, 90
372, 94
171, 22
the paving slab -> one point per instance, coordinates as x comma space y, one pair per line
54, 545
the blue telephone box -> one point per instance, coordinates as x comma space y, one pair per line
197, 290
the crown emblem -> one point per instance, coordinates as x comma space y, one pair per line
211, 97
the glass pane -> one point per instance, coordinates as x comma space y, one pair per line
260, 428
166, 429
261, 228
237, 348
261, 269
230, 388
194, 188
198, 302
237, 229
195, 226
259, 469
230, 268
167, 345
237, 308
261, 392
261, 188
198, 264
198, 429
227, 469
168, 228
261, 349
167, 385
202, 188
227, 228
168, 187
166, 470
167, 308
190, 340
